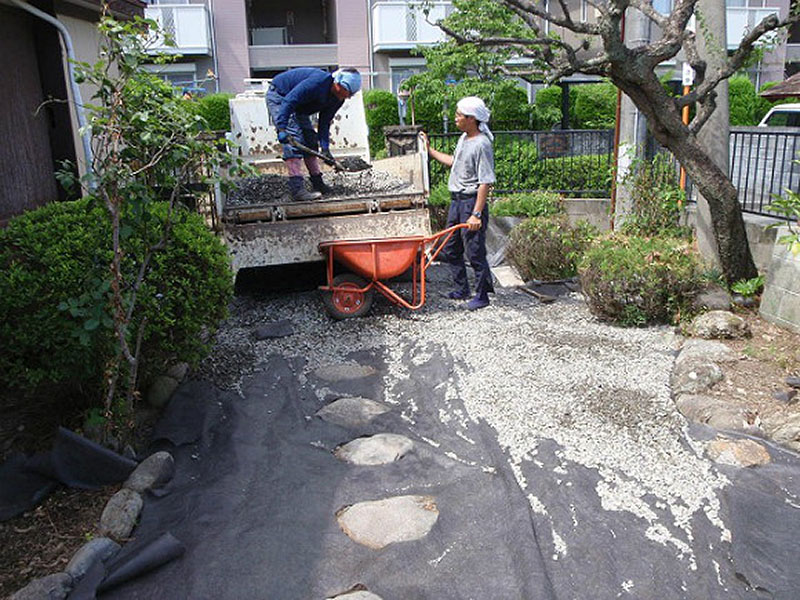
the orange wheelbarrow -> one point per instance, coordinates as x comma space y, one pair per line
370, 261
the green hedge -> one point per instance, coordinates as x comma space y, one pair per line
636, 281
380, 107
59, 255
215, 109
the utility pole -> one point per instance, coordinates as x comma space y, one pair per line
712, 45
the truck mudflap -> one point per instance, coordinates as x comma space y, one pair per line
262, 244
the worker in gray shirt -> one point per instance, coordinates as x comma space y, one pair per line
471, 175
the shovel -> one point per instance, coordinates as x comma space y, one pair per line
349, 164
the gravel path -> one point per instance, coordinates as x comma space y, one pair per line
533, 372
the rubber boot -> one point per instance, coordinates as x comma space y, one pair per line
319, 185
299, 192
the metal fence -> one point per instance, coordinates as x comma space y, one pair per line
572, 162
764, 165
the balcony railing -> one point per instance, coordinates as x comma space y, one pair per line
398, 25
741, 20
186, 24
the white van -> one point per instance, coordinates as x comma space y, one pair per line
783, 115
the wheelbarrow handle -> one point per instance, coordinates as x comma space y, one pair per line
439, 240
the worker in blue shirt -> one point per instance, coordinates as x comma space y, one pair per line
294, 96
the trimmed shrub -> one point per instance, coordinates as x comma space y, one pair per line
380, 107
537, 204
547, 107
636, 281
53, 262
548, 248
743, 100
594, 106
215, 109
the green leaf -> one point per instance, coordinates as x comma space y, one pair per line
91, 324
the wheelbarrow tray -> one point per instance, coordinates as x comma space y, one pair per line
374, 260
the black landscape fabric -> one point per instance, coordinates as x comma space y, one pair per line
257, 490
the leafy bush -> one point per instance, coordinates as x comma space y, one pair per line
381, 110
215, 110
657, 199
439, 205
743, 100
594, 106
547, 107
52, 331
548, 248
635, 281
538, 204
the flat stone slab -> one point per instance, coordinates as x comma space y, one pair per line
277, 329
738, 453
507, 276
344, 371
378, 523
352, 411
379, 449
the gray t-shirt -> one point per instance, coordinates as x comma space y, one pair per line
473, 164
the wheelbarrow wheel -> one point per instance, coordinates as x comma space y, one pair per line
348, 303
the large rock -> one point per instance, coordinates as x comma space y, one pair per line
719, 324
120, 514
378, 523
378, 449
713, 298
351, 411
161, 390
51, 587
738, 453
785, 430
694, 375
343, 372
708, 350
155, 470
713, 412
95, 550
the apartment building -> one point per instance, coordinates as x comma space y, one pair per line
238, 39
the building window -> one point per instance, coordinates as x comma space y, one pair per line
663, 6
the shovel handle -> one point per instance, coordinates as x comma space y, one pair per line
326, 159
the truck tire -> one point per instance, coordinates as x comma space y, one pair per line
348, 304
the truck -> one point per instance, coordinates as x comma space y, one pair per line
266, 231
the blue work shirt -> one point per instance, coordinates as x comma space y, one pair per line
307, 91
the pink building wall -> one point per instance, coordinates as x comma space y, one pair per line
230, 23
352, 33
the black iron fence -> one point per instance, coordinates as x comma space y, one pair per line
577, 163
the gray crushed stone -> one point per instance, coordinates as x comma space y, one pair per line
273, 188
533, 372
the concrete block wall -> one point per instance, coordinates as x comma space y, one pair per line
780, 302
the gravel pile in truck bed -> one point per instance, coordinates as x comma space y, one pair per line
275, 188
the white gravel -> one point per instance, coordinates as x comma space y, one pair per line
532, 372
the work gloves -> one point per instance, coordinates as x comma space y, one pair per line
326, 152
283, 136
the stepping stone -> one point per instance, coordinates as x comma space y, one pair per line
376, 524
343, 372
278, 329
352, 411
379, 449
356, 596
738, 453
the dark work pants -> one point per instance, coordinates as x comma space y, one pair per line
473, 242
299, 126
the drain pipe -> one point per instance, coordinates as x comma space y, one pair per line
76, 92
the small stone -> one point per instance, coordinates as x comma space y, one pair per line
120, 514
344, 372
351, 411
98, 549
786, 396
379, 449
378, 523
692, 376
719, 324
358, 595
50, 587
152, 472
178, 371
743, 301
278, 329
161, 390
793, 381
737, 453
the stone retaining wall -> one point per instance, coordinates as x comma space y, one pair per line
780, 302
